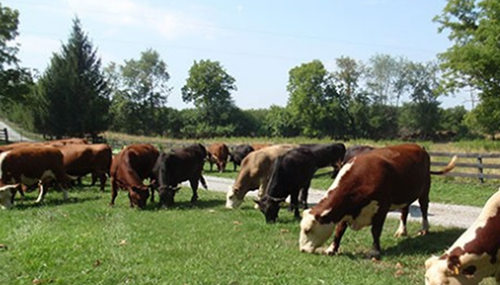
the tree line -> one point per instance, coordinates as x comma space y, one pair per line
384, 98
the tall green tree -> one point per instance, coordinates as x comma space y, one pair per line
209, 87
140, 92
74, 89
384, 75
15, 81
474, 57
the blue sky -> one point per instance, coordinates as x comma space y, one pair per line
257, 42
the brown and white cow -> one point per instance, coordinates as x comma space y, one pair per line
218, 153
474, 256
33, 165
130, 167
61, 142
255, 173
367, 187
82, 159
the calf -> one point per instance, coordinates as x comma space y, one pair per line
474, 255
218, 153
367, 187
129, 169
33, 165
82, 159
239, 153
292, 174
254, 173
177, 166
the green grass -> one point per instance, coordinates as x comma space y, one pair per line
448, 190
84, 241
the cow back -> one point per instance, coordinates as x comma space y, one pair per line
81, 159
134, 163
180, 164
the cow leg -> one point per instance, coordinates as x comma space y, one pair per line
304, 193
102, 180
294, 205
194, 187
402, 232
41, 192
339, 232
114, 192
377, 225
424, 208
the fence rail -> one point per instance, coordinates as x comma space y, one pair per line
4, 135
478, 168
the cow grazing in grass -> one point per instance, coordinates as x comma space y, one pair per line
218, 153
130, 167
239, 153
33, 165
367, 187
254, 173
474, 256
176, 166
292, 174
82, 159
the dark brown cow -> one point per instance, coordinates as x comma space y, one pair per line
474, 255
218, 153
33, 165
82, 159
62, 142
176, 166
367, 187
128, 170
237, 155
351, 152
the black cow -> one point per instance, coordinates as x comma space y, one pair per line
176, 166
292, 174
351, 152
239, 153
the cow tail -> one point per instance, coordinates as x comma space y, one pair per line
274, 177
203, 182
448, 167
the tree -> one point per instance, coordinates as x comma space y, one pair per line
485, 118
140, 91
15, 82
384, 76
74, 89
209, 87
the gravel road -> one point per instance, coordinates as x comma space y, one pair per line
13, 135
439, 214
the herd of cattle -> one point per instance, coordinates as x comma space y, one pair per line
369, 182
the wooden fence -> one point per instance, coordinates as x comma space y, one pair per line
470, 165
4, 135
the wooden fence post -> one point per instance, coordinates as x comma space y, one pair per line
480, 168
6, 135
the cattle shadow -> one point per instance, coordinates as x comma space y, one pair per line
29, 202
187, 205
432, 243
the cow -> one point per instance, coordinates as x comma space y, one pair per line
218, 153
61, 142
16, 145
367, 187
179, 165
474, 255
129, 168
239, 153
257, 146
33, 165
292, 174
254, 173
351, 152
82, 159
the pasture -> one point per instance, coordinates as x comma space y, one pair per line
84, 241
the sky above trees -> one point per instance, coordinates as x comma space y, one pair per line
257, 42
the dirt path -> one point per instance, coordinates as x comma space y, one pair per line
439, 214
13, 135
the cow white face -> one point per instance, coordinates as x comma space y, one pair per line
232, 199
6, 196
438, 273
313, 234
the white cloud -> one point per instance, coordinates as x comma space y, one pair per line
36, 50
169, 23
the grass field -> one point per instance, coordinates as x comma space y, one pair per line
84, 241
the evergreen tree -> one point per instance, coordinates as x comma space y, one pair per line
75, 91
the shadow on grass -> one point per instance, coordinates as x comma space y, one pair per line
432, 243
29, 202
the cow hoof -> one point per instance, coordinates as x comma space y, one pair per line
374, 255
423, 232
194, 199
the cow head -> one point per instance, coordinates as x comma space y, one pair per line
270, 207
233, 199
449, 270
167, 194
138, 196
7, 194
313, 234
